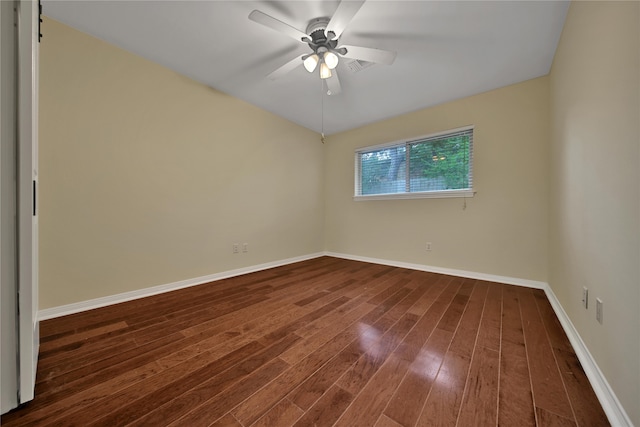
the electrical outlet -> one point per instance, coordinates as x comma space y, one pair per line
585, 297
428, 246
236, 248
599, 310
245, 247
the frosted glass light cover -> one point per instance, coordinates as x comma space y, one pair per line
331, 59
325, 71
311, 62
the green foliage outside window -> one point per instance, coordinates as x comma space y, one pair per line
435, 164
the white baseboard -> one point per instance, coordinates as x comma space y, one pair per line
449, 271
64, 310
610, 404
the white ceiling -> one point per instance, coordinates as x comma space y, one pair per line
446, 50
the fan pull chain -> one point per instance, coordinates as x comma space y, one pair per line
322, 111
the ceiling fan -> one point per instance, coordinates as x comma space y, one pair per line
322, 36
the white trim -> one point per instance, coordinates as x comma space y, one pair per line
63, 310
450, 271
441, 194
610, 404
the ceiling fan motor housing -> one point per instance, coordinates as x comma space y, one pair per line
316, 30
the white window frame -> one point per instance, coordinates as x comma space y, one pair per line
436, 194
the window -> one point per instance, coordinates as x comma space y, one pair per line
437, 165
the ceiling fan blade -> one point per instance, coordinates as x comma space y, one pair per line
333, 84
286, 68
344, 14
378, 56
279, 26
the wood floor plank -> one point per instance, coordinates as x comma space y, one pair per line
355, 364
358, 297
326, 410
227, 421
181, 376
583, 399
90, 354
489, 333
291, 327
416, 291
50, 414
75, 322
423, 351
307, 346
549, 419
435, 284
216, 407
547, 384
443, 403
451, 317
479, 405
79, 380
323, 323
357, 376
385, 421
515, 400
73, 359
82, 336
247, 318
183, 403
77, 367
255, 406
325, 341
426, 346
371, 401
465, 337
406, 404
585, 404
557, 337
284, 414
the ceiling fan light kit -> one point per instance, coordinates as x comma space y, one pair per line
311, 62
322, 36
331, 59
325, 71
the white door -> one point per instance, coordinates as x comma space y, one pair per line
29, 333
19, 26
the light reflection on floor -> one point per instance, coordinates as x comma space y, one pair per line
426, 364
370, 342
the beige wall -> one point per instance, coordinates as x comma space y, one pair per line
502, 231
595, 185
148, 177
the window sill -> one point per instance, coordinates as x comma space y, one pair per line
417, 195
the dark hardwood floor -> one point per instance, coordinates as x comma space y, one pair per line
322, 342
